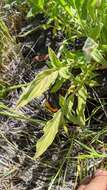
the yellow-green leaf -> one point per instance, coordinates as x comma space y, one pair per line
38, 86
50, 131
67, 108
54, 60
82, 97
66, 6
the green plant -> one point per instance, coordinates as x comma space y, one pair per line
75, 18
67, 114
10, 112
6, 44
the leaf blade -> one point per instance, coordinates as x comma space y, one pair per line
50, 131
82, 97
54, 60
38, 86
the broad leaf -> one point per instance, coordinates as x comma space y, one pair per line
77, 118
50, 131
58, 83
38, 86
64, 72
55, 62
82, 97
68, 109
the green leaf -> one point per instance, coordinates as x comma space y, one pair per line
40, 3
64, 73
67, 109
50, 131
62, 101
3, 92
58, 83
38, 86
66, 6
77, 118
84, 9
4, 29
37, 4
54, 60
78, 3
82, 97
30, 13
66, 129
11, 113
